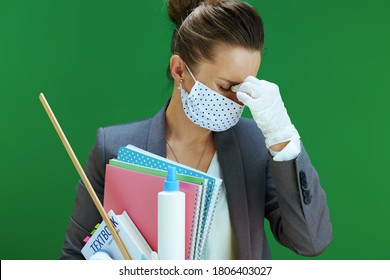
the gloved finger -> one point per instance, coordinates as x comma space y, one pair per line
260, 83
245, 98
253, 90
262, 89
235, 88
251, 79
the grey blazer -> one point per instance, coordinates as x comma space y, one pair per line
288, 194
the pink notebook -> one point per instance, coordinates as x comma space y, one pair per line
136, 193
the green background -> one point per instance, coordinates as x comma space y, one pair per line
104, 62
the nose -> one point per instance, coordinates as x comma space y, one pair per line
234, 90
233, 96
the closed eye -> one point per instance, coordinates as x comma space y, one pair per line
225, 89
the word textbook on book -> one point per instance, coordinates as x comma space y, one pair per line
102, 240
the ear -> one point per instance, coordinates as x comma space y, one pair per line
177, 67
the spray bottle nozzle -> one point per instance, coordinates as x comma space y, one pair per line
171, 183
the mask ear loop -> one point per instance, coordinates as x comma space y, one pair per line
190, 72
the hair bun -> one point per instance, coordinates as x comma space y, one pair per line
178, 10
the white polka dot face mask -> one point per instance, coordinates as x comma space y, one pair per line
208, 108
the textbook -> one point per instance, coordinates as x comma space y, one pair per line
102, 240
209, 193
137, 194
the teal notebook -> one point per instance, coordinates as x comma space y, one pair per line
157, 172
136, 156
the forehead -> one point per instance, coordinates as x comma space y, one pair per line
232, 63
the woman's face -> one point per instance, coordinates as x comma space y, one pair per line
230, 67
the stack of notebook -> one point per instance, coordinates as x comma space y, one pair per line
132, 184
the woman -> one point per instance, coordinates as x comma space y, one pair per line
216, 53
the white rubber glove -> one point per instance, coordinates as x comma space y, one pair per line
267, 108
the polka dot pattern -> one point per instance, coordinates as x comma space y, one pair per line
210, 109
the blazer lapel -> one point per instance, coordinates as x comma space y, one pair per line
230, 159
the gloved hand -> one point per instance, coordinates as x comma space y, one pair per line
267, 108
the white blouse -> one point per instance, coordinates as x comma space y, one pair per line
220, 244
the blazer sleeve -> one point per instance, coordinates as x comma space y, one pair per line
296, 206
85, 214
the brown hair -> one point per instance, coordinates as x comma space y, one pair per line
200, 25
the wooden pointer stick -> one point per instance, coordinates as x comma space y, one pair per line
84, 177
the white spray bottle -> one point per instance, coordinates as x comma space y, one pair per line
171, 219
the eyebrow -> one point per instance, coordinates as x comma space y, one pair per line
230, 82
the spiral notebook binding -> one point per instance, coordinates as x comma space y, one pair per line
194, 228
